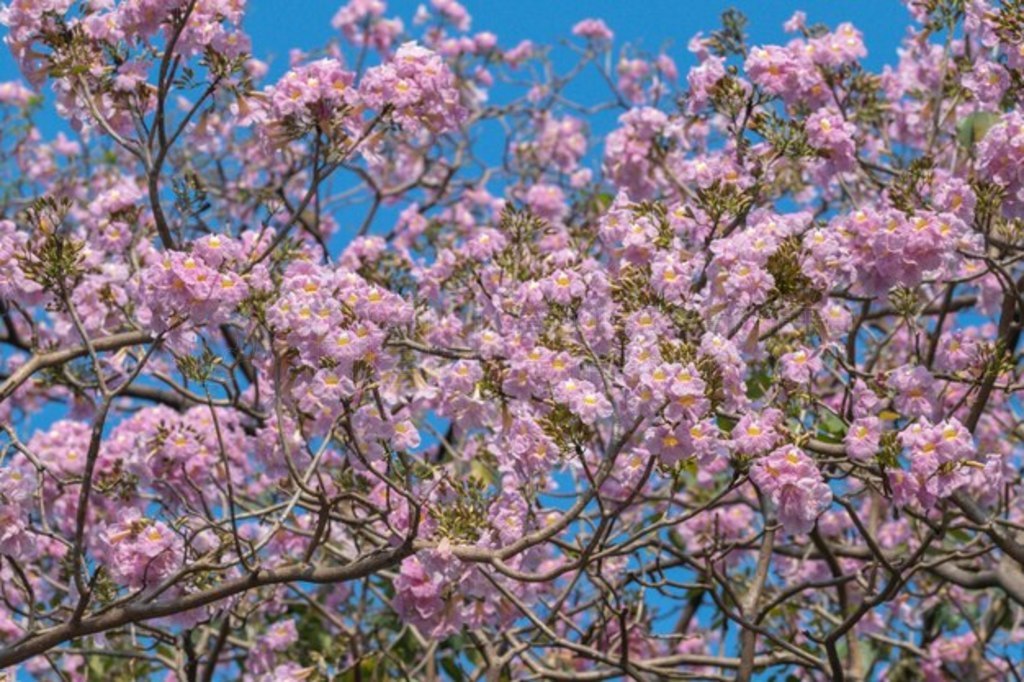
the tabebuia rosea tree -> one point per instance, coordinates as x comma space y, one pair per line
433, 357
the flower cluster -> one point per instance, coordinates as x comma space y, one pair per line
937, 454
363, 23
315, 89
420, 87
17, 486
881, 246
593, 29
629, 151
999, 160
203, 286
794, 72
140, 552
791, 480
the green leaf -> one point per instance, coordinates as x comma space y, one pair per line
757, 384
453, 669
366, 668
972, 128
833, 426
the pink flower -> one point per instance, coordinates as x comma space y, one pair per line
702, 79
593, 29
788, 72
987, 81
140, 552
558, 141
800, 366
407, 436
426, 593
668, 444
827, 130
1001, 160
18, 483
13, 93
547, 201
263, 657
185, 285
519, 54
756, 434
915, 391
453, 12
363, 23
791, 480
563, 286
130, 75
585, 400
64, 447
844, 46
633, 73
704, 440
937, 452
672, 277
956, 352
795, 23
627, 151
307, 97
887, 247
419, 85
863, 438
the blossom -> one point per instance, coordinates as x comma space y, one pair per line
795, 23
407, 436
627, 150
424, 596
363, 23
563, 286
757, 433
13, 93
584, 399
264, 655
316, 87
17, 485
956, 352
64, 446
453, 12
937, 452
863, 438
887, 248
791, 480
915, 390
702, 79
704, 439
593, 29
633, 73
789, 72
140, 552
419, 85
558, 141
987, 81
546, 201
800, 366
184, 282
999, 159
827, 130
845, 45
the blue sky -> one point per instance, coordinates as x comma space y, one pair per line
279, 25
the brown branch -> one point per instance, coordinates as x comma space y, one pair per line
37, 643
59, 357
